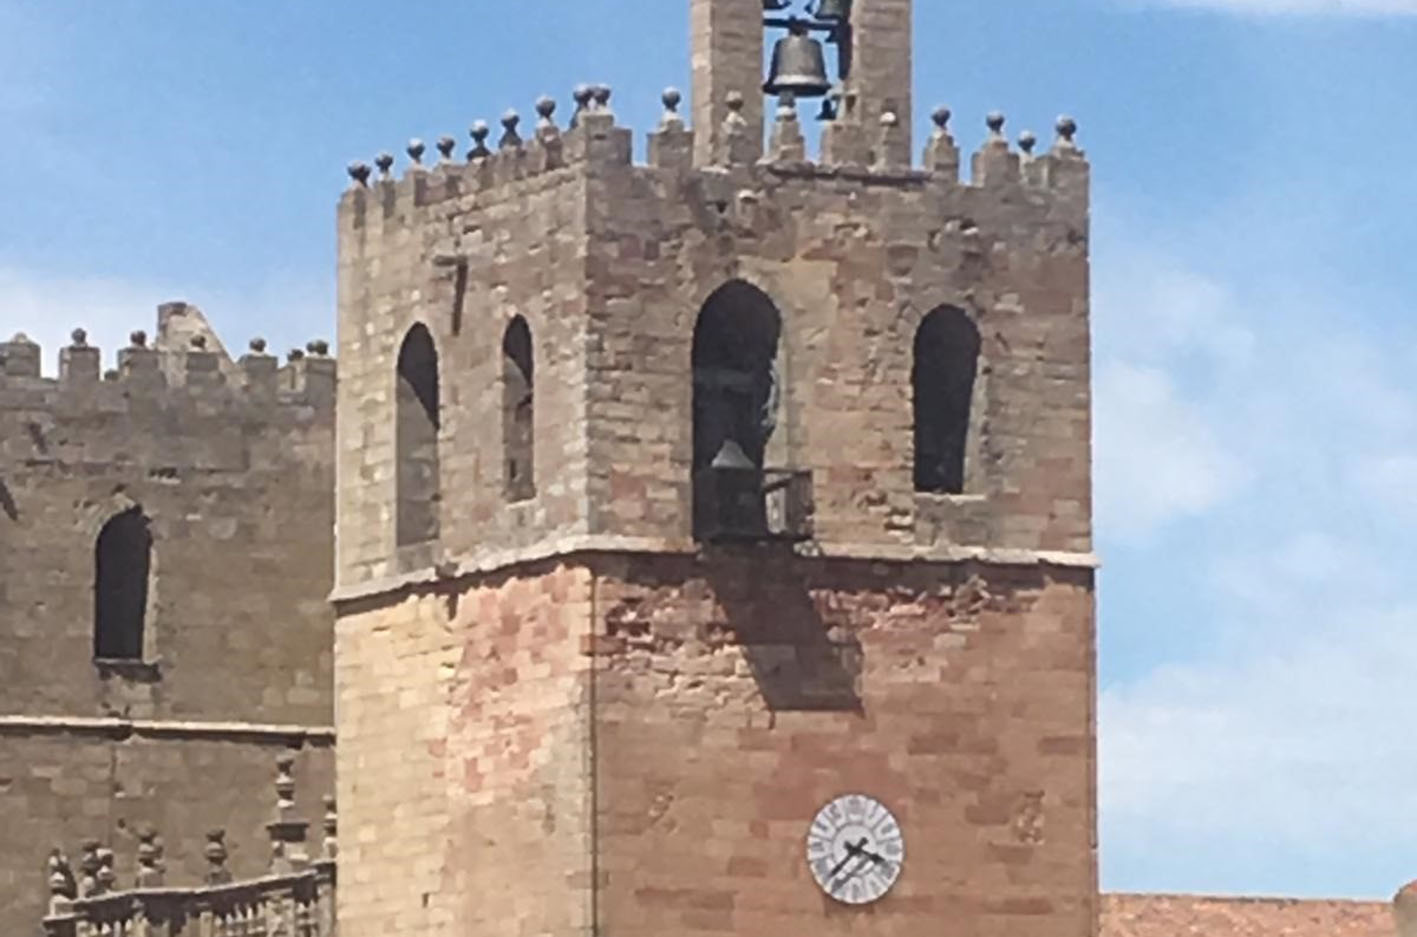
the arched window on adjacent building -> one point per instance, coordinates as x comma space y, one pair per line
416, 439
735, 407
122, 573
946, 365
518, 412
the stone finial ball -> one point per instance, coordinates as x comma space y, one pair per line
545, 107
385, 162
1027, 141
359, 172
941, 117
415, 150
671, 98
734, 101
446, 146
318, 347
480, 130
582, 96
199, 342
888, 119
601, 93
510, 119
295, 354
258, 345
138, 339
1067, 127
80, 337
995, 121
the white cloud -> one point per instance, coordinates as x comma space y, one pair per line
1303, 749
1390, 480
1158, 459
1273, 753
1300, 7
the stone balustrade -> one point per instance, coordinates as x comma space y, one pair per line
296, 898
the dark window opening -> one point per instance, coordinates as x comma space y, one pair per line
946, 365
735, 409
518, 412
417, 417
123, 569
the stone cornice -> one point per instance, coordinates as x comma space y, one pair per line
486, 562
118, 729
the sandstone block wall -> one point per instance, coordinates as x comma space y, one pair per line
464, 758
665, 728
738, 694
854, 264
463, 255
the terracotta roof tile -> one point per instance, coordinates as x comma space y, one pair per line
1195, 916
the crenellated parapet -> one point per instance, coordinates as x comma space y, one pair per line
170, 372
156, 391
849, 147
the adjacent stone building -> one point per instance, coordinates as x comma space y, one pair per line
165, 562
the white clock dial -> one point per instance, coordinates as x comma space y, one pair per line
855, 849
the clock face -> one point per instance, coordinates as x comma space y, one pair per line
855, 849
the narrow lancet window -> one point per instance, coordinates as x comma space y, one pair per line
416, 442
735, 408
518, 412
123, 570
946, 365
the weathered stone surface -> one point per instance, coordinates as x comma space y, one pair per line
231, 463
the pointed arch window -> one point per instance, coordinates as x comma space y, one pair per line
946, 367
122, 576
518, 412
416, 439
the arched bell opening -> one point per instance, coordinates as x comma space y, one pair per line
518, 412
943, 380
736, 399
417, 418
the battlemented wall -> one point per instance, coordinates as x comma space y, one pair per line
611, 263
231, 463
465, 796
462, 252
854, 256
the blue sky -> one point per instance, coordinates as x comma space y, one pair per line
1254, 228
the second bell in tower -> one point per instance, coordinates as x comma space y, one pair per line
799, 66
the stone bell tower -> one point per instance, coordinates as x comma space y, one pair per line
714, 535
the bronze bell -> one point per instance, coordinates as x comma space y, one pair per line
837, 11
799, 66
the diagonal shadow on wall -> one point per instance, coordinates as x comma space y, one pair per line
800, 661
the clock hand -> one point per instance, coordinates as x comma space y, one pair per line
874, 856
852, 852
856, 852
